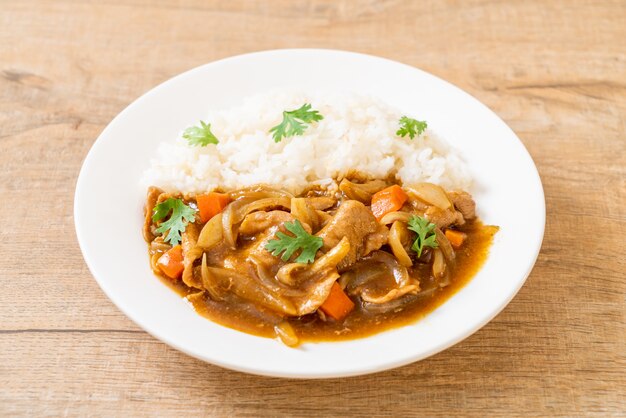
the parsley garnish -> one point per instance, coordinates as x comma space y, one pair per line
425, 231
411, 127
309, 244
294, 122
181, 216
200, 135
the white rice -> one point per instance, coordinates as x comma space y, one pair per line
357, 133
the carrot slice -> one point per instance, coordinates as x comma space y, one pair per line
338, 305
171, 263
388, 200
211, 204
456, 238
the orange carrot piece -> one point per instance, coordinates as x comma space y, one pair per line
171, 263
388, 200
338, 305
211, 204
456, 238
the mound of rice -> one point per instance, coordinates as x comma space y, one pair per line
357, 133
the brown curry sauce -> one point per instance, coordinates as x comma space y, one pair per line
253, 319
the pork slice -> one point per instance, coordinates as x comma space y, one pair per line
444, 218
260, 221
264, 226
464, 203
356, 222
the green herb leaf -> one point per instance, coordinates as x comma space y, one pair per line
294, 122
288, 245
176, 224
425, 231
411, 127
200, 135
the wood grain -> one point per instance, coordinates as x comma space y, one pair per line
554, 71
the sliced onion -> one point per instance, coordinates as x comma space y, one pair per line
262, 204
439, 264
394, 305
268, 280
157, 245
346, 278
364, 275
400, 273
195, 297
302, 211
260, 191
154, 258
445, 246
445, 280
285, 332
355, 192
288, 273
397, 234
227, 221
399, 303
323, 217
383, 263
236, 211
393, 294
332, 257
373, 186
212, 233
265, 277
392, 217
430, 193
188, 272
208, 281
321, 315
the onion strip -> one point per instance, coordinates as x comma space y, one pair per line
400, 273
236, 211
302, 211
396, 233
212, 233
444, 244
286, 274
355, 192
439, 264
285, 332
392, 217
208, 280
258, 192
431, 194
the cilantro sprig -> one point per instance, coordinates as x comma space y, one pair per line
200, 135
425, 231
288, 245
176, 224
411, 127
294, 122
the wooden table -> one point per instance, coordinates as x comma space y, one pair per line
554, 71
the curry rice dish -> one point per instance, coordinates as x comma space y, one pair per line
318, 259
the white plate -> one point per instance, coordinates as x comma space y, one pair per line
108, 208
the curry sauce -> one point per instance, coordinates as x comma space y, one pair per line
257, 320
